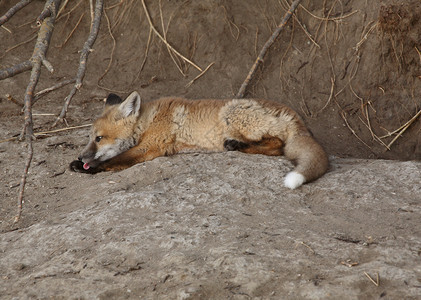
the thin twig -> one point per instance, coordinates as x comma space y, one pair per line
364, 38
303, 27
328, 18
377, 282
23, 180
71, 32
145, 57
40, 94
127, 8
61, 129
12, 99
404, 128
332, 80
349, 263
71, 10
286, 51
256, 40
265, 48
200, 75
327, 47
112, 49
47, 132
373, 135
115, 5
165, 31
306, 32
5, 28
20, 44
367, 115
229, 22
87, 48
419, 53
164, 40
352, 130
304, 244
62, 8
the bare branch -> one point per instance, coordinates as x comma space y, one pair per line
50, 10
87, 48
13, 100
164, 39
40, 50
18, 6
47, 64
265, 48
40, 94
15, 70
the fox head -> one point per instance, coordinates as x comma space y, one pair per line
113, 132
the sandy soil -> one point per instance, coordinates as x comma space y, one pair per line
221, 226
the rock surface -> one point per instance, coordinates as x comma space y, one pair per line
222, 226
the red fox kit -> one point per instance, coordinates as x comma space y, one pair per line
130, 132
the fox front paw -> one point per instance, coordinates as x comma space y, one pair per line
77, 166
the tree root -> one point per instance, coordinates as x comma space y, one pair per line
87, 48
241, 93
46, 22
18, 6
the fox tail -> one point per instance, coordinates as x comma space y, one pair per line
310, 159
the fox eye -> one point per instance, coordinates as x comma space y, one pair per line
98, 138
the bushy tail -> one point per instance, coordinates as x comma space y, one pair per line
310, 159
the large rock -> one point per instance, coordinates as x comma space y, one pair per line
219, 226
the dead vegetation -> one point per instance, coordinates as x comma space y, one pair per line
342, 88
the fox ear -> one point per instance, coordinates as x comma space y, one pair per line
131, 106
113, 99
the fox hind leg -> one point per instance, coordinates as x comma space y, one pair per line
271, 146
234, 145
267, 146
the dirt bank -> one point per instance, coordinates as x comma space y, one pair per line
221, 226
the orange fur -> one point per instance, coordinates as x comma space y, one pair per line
130, 132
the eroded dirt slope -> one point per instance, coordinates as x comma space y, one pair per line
220, 225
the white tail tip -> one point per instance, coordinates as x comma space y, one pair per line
294, 180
